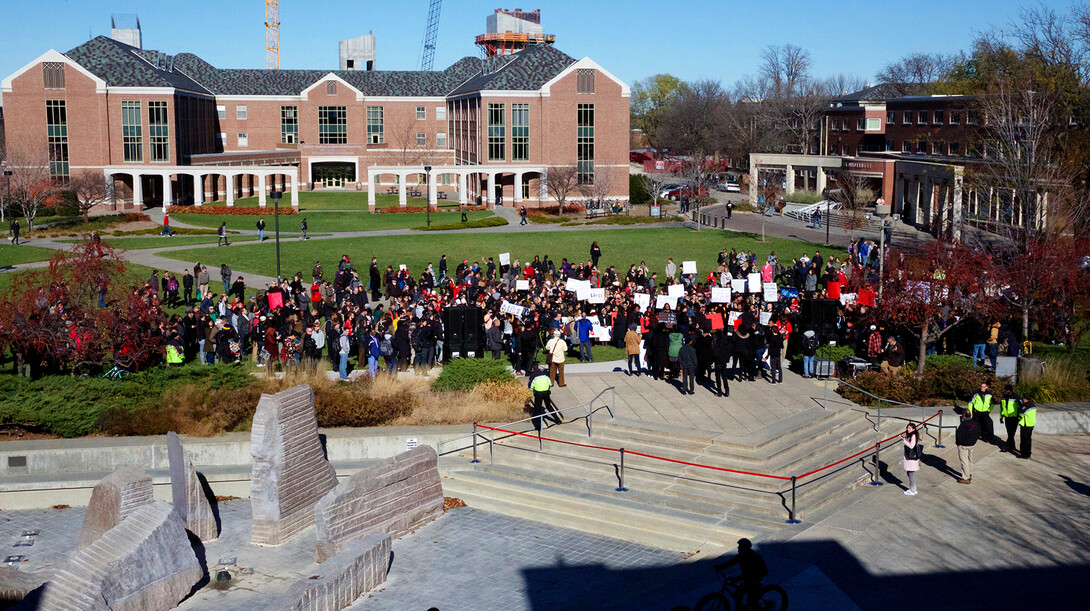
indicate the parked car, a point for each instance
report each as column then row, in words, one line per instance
column 730, row 186
column 684, row 191
column 665, row 189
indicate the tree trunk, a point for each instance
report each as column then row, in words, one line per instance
column 1025, row 320
column 922, row 356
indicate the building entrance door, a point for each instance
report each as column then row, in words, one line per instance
column 334, row 175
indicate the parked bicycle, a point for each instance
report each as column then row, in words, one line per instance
column 115, row 373
column 764, row 597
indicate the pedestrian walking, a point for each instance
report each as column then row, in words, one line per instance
column 465, row 212
column 166, row 227
column 816, row 218
column 522, row 213
column 14, row 231
column 222, row 232
column 730, row 209
column 913, row 451
column 261, row 230
column 595, row 253
column 966, row 436
column 543, row 402
column 303, row 228
column 1027, row 419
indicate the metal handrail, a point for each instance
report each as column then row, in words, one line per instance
column 588, row 405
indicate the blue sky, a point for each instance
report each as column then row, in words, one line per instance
column 632, row 39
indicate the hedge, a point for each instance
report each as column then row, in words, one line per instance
column 464, row 374
column 492, row 221
column 230, row 210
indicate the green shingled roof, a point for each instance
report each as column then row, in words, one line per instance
column 123, row 66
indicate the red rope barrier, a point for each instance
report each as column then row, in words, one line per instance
column 690, row 464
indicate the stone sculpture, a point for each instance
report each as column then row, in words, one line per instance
column 190, row 500
column 290, row 471
column 360, row 567
column 113, row 499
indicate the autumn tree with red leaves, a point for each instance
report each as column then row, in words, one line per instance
column 930, row 293
column 52, row 319
column 1047, row 286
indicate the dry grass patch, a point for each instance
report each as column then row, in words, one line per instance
column 487, row 402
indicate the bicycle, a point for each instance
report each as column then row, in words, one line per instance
column 768, row 597
column 115, row 373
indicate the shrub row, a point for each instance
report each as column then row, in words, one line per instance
column 464, row 374
column 231, row 210
column 408, row 209
column 940, row 385
column 492, row 221
column 553, row 210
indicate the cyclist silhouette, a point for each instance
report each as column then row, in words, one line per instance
column 753, row 567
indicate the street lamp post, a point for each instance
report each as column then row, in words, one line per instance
column 427, row 177
column 276, row 195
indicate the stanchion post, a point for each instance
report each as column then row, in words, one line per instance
column 939, row 443
column 590, row 421
column 621, row 488
column 791, row 519
column 474, row 444
column 874, row 478
column 491, row 443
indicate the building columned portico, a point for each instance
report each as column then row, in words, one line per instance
column 490, row 174
column 244, row 181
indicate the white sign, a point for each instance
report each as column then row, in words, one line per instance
column 733, row 316
column 846, row 298
column 522, row 285
column 755, row 283
column 643, row 301
column 662, row 300
column 411, row 443
column 688, row 267
column 509, row 308
column 738, row 285
column 772, row 292
column 505, row 258
column 720, row 295
column 766, row 317
column 676, row 291
column 402, row 267
column 601, row 333
column 596, row 296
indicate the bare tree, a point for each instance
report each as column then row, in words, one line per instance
column 843, row 84
column 405, row 148
column 91, row 189
column 785, row 67
column 697, row 127
column 769, row 185
column 562, row 182
column 854, row 193
column 603, row 183
column 913, row 73
column 653, row 183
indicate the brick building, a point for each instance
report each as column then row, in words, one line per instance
column 176, row 130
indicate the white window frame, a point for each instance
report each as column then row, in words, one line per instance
column 874, row 124
column 240, row 112
column 421, row 139
column 222, row 137
column 421, row 113
column 441, row 140
column 440, row 113
column 221, row 111
column 243, row 139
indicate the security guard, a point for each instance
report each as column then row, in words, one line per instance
column 540, row 384
column 1008, row 414
column 1027, row 419
column 981, row 408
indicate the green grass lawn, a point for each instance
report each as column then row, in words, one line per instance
column 310, row 201
column 11, row 254
column 326, row 222
column 620, row 247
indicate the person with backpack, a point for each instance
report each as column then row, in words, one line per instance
column 810, row 347
column 913, row 452
column 386, row 348
column 374, row 352
column 303, row 228
column 225, row 275
column 966, row 436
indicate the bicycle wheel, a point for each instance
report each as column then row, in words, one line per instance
column 713, row 601
column 769, row 598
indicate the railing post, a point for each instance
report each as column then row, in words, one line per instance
column 540, row 440
column 491, row 443
column 590, row 421
column 474, row 444
column 938, row 444
column 878, row 427
column 791, row 519
column 621, row 488
column 874, row 478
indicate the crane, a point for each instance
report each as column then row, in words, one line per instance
column 431, row 31
column 272, row 34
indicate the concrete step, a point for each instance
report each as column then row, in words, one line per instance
column 634, row 516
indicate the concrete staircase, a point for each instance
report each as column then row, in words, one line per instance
column 667, row 505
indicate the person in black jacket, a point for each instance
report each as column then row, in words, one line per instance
column 722, row 347
column 686, row 358
column 967, row 435
column 403, row 344
column 187, row 288
column 376, row 279
column 775, row 351
column 528, row 343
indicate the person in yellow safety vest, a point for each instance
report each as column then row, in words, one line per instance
column 1027, row 419
column 540, row 384
column 1008, row 414
column 981, row 407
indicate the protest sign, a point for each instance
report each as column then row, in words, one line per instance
column 755, row 283
column 662, row 300
column 688, row 267
column 789, row 293
column 720, row 294
column 717, row 321
column 522, row 285
column 675, row 290
column 772, row 292
column 596, row 296
column 738, row 285
column 276, row 299
column 505, row 258
column 643, row 300
column 766, row 317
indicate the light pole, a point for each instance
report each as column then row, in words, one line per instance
column 276, row 195
column 7, row 200
column 427, row 177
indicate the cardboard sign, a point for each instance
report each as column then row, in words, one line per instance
column 772, row 292
column 276, row 300
column 766, row 317
column 846, row 298
column 833, row 290
column 738, row 285
column 596, row 296
column 717, row 321
column 688, row 267
column 866, row 296
column 509, row 308
column 599, row 332
column 662, row 300
column 755, row 283
column 667, row 318
column 734, row 319
column 720, row 295
column 643, row 301
column 676, row 291
column 522, row 285
column 505, row 258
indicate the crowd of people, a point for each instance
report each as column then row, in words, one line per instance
column 671, row 322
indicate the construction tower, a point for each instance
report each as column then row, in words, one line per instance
column 272, row 34
column 508, row 32
column 431, row 33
